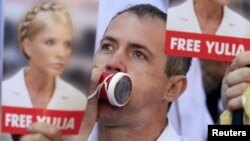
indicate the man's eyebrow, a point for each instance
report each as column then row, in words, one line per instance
column 143, row 47
column 109, row 38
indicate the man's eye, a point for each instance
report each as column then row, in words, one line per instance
column 49, row 42
column 139, row 54
column 106, row 47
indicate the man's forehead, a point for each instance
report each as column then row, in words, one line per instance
column 127, row 28
column 122, row 18
column 128, row 19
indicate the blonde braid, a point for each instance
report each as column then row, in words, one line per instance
column 23, row 30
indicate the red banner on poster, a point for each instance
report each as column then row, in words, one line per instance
column 220, row 48
column 16, row 120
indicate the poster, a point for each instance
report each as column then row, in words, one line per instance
column 211, row 50
column 47, row 62
column 218, row 34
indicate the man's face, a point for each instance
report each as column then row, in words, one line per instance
column 134, row 46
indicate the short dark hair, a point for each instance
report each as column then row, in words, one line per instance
column 175, row 65
column 144, row 10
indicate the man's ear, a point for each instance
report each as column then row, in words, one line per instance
column 26, row 47
column 175, row 87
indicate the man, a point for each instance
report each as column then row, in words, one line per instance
column 133, row 43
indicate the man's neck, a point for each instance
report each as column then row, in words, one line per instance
column 147, row 132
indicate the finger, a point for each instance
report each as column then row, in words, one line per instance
column 241, row 60
column 236, row 90
column 228, row 71
column 49, row 131
column 234, row 104
column 34, row 137
column 224, row 88
column 95, row 77
column 238, row 76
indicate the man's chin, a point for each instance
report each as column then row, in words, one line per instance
column 109, row 115
column 106, row 110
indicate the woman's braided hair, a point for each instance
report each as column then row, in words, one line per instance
column 26, row 29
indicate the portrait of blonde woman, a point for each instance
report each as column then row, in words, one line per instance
column 45, row 38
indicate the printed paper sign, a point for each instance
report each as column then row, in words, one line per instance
column 16, row 120
column 193, row 35
column 47, row 63
column 204, row 46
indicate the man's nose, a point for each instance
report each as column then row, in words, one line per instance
column 117, row 63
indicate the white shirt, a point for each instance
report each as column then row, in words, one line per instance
column 168, row 134
column 65, row 97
